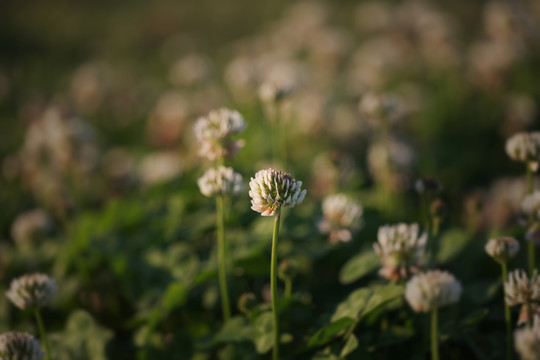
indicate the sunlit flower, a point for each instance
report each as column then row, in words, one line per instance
column 531, row 205
column 519, row 289
column 31, row 291
column 19, row 346
column 401, row 249
column 524, row 147
column 502, row 249
column 342, row 215
column 214, row 133
column 220, row 181
column 29, row 225
column 272, row 189
column 432, row 290
column 527, row 342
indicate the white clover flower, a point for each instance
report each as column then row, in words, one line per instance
column 431, row 290
column 19, row 346
column 341, row 216
column 502, row 249
column 525, row 147
column 31, row 291
column 214, row 133
column 519, row 289
column 531, row 205
column 401, row 249
column 272, row 189
column 220, row 181
column 527, row 341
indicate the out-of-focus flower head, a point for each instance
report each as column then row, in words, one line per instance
column 168, row 119
column 525, row 147
column 159, row 167
column 389, row 162
column 431, row 290
column 401, row 249
column 502, row 249
column 214, row 133
column 342, row 216
column 19, row 346
column 31, row 291
column 519, row 289
column 220, row 181
column 272, row 189
column 192, row 69
column 29, row 225
column 527, row 342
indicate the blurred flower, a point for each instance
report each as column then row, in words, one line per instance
column 31, row 291
column 19, row 346
column 389, row 163
column 431, row 290
column 91, row 84
column 247, row 302
column 520, row 112
column 167, row 119
column 214, row 133
column 527, row 341
column 220, row 181
column 519, row 289
column 531, row 205
column 159, row 167
column 376, row 106
column 272, row 189
column 401, row 250
column 342, row 216
column 192, row 69
column 427, row 185
column 29, row 225
column 502, row 249
column 524, row 147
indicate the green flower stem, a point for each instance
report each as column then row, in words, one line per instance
column 288, row 287
column 273, row 285
column 222, row 261
column 42, row 334
column 531, row 250
column 507, row 316
column 434, row 245
column 434, row 335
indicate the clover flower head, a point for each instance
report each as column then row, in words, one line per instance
column 431, row 290
column 531, row 205
column 220, row 181
column 19, row 346
column 524, row 147
column 519, row 289
column 214, row 133
column 502, row 249
column 271, row 189
column 527, row 342
column 401, row 249
column 31, row 291
column 342, row 215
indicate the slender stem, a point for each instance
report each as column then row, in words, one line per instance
column 434, row 234
column 222, row 261
column 531, row 250
column 288, row 287
column 42, row 334
column 507, row 316
column 273, row 285
column 434, row 335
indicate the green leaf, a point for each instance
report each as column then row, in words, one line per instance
column 358, row 267
column 237, row 329
column 175, row 296
column 329, row 332
column 363, row 301
column 350, row 346
column 264, row 332
column 451, row 243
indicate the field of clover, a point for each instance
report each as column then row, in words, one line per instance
column 317, row 180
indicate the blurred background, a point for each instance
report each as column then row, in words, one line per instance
column 99, row 162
